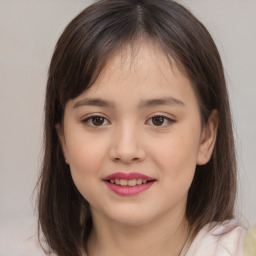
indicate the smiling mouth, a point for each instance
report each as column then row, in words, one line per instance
column 131, row 179
column 129, row 183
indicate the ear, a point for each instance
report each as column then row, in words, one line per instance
column 62, row 141
column 208, row 138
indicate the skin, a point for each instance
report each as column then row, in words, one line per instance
column 152, row 222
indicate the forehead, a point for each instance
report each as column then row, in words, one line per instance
column 140, row 72
column 139, row 59
column 137, row 64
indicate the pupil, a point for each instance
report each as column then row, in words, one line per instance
column 97, row 120
column 158, row 120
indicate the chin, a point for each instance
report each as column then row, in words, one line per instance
column 131, row 217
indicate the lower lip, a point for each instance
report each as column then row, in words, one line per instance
column 129, row 191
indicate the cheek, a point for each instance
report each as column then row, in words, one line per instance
column 86, row 155
column 177, row 155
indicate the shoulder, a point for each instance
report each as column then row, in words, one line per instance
column 219, row 239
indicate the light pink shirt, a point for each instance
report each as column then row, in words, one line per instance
column 224, row 239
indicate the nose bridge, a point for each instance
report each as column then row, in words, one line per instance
column 127, row 143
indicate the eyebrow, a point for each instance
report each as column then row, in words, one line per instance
column 143, row 104
column 161, row 101
column 94, row 102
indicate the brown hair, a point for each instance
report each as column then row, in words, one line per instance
column 81, row 53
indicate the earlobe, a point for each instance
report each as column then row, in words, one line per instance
column 208, row 139
column 62, row 141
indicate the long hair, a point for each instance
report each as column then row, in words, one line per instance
column 82, row 51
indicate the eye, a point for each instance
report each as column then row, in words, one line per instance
column 96, row 121
column 160, row 120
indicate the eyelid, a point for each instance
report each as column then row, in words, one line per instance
column 170, row 120
column 88, row 117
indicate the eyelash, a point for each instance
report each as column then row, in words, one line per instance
column 88, row 120
column 167, row 120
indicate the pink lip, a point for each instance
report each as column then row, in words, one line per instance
column 127, row 190
column 128, row 176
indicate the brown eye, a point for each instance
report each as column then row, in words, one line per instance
column 95, row 121
column 98, row 120
column 158, row 120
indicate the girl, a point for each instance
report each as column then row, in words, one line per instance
column 139, row 151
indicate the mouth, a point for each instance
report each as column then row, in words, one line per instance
column 128, row 183
column 130, row 179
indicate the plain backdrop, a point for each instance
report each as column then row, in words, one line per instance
column 29, row 30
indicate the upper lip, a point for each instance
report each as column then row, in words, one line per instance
column 128, row 176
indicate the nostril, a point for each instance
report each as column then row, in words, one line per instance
column 126, row 149
column 126, row 159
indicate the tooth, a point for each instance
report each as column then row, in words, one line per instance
column 139, row 181
column 144, row 181
column 117, row 181
column 112, row 181
column 132, row 183
column 123, row 182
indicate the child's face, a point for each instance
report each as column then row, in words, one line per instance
column 148, row 122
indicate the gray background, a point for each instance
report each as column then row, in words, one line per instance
column 28, row 32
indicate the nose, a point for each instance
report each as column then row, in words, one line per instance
column 127, row 145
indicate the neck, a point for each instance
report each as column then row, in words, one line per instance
column 161, row 237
